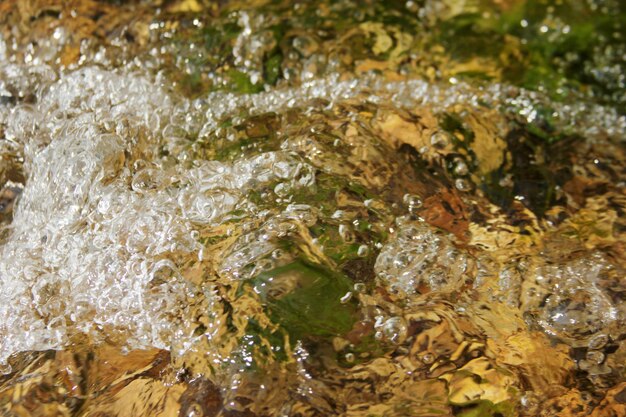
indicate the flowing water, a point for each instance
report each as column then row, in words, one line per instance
column 335, row 208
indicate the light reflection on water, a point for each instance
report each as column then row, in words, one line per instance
column 344, row 244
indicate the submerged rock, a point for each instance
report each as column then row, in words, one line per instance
column 324, row 208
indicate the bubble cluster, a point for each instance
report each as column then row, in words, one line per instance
column 570, row 302
column 420, row 259
column 105, row 216
column 85, row 247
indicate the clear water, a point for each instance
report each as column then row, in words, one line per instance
column 340, row 243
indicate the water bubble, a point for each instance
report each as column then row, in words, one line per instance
column 164, row 271
column 208, row 207
column 585, row 365
column 148, row 179
column 595, row 356
column 346, row 298
column 194, row 410
column 530, row 402
column 428, row 358
column 278, row 254
column 363, row 251
column 283, row 189
column 412, row 202
column 301, row 212
column 346, row 233
column 598, row 341
column 23, row 123
column 439, row 140
column 460, row 167
column 412, row 6
column 305, row 45
column 394, row 330
column 462, row 184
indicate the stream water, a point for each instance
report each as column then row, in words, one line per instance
column 277, row 208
